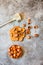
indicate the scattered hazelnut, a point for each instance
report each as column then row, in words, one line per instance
column 36, row 26
column 28, row 37
column 28, row 31
column 29, row 21
column 29, row 27
column 24, row 25
column 36, row 35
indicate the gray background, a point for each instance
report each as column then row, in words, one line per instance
column 33, row 48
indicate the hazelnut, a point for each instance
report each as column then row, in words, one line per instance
column 18, row 54
column 36, row 26
column 16, row 35
column 12, row 46
column 36, row 35
column 18, row 47
column 11, row 35
column 9, row 53
column 9, row 50
column 16, row 39
column 28, row 37
column 24, row 25
column 23, row 30
column 29, row 21
column 14, row 55
column 11, row 56
column 29, row 27
column 18, row 50
column 15, row 31
column 27, row 31
column 21, row 39
column 15, row 51
column 19, row 29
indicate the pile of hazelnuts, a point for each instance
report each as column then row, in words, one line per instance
column 15, row 51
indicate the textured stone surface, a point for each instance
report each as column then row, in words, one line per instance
column 33, row 48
